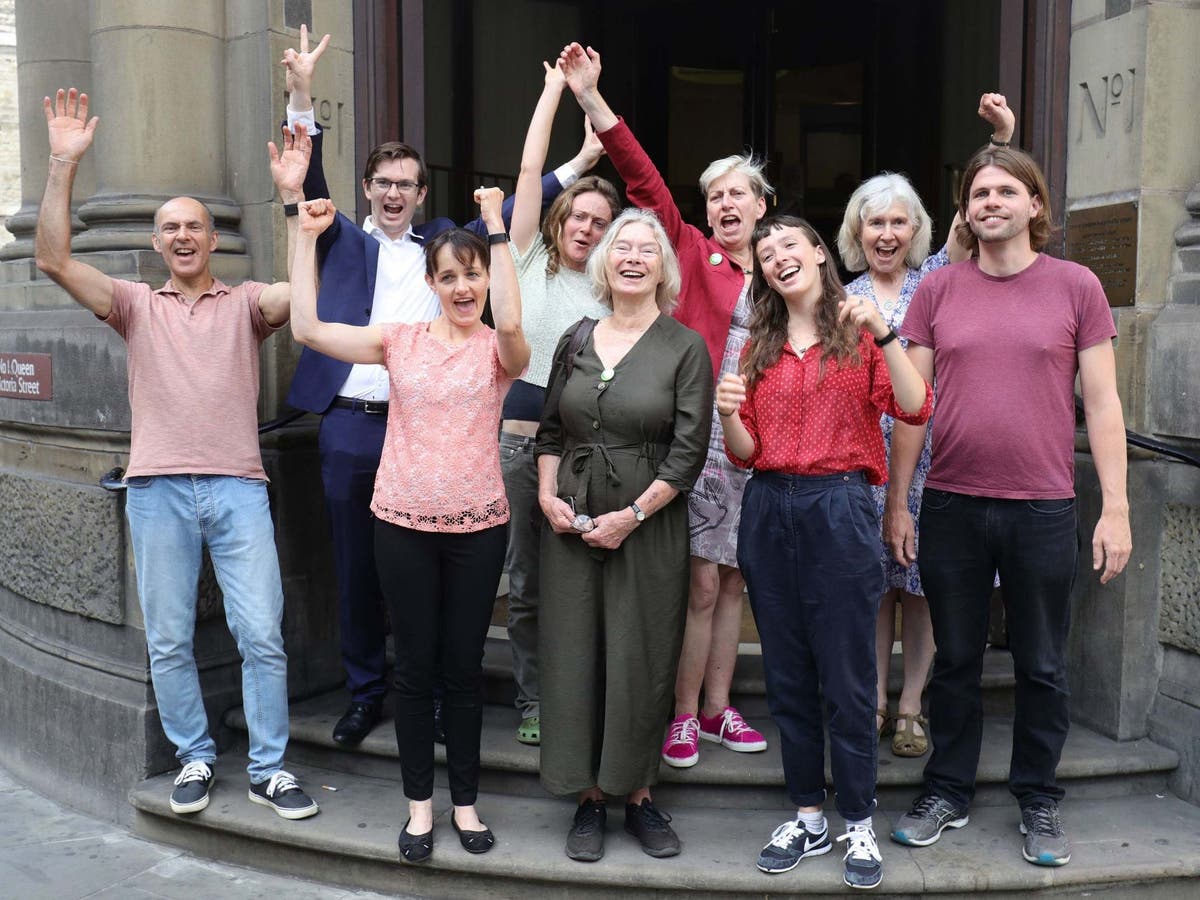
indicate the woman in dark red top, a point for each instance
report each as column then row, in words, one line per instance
column 803, row 413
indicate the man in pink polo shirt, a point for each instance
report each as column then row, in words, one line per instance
column 195, row 475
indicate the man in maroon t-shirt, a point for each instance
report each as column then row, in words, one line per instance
column 1005, row 335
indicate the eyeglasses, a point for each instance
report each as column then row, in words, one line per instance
column 383, row 185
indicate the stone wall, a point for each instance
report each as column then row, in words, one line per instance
column 72, row 645
column 1135, row 668
column 10, row 156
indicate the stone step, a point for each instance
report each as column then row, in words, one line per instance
column 748, row 685
column 1143, row 845
column 1095, row 766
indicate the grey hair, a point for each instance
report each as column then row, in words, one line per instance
column 875, row 196
column 746, row 164
column 667, row 291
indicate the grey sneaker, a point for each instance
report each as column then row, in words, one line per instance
column 192, row 787
column 864, row 865
column 585, row 840
column 283, row 794
column 790, row 843
column 929, row 817
column 649, row 825
column 1045, row 842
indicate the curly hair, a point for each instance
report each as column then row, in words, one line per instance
column 552, row 225
column 769, row 315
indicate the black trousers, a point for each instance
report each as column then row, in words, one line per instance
column 1034, row 544
column 440, row 589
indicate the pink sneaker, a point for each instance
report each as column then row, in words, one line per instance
column 682, row 746
column 730, row 730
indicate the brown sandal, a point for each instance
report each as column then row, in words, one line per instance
column 886, row 726
column 907, row 743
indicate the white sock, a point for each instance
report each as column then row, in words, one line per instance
column 866, row 822
column 813, row 822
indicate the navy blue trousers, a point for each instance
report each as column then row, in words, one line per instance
column 350, row 443
column 809, row 549
column 1034, row 544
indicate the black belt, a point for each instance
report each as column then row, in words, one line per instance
column 370, row 407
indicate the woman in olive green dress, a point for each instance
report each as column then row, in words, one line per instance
column 622, row 440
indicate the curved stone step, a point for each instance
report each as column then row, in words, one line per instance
column 1137, row 846
column 1092, row 765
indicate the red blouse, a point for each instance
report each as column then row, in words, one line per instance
column 805, row 422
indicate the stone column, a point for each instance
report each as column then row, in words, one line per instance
column 53, row 51
column 159, row 76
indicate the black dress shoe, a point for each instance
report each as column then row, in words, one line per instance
column 415, row 848
column 439, row 725
column 356, row 724
column 474, row 841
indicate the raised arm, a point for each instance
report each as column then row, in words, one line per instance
column 71, row 134
column 505, row 294
column 288, row 168
column 993, row 109
column 527, row 202
column 300, row 66
column 581, row 67
column 349, row 343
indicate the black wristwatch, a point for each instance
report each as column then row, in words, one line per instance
column 291, row 209
column 886, row 339
column 500, row 237
column 637, row 512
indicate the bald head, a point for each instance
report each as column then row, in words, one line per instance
column 184, row 209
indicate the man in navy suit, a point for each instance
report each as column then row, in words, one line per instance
column 375, row 273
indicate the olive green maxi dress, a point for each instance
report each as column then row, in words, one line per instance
column 612, row 621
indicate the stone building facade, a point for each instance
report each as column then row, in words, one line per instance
column 188, row 96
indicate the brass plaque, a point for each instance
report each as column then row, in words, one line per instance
column 1104, row 238
column 26, row 376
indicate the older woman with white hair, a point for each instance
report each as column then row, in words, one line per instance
column 716, row 303
column 622, row 439
column 887, row 231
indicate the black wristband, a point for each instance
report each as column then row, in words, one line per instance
column 996, row 143
column 291, row 209
column 498, row 238
column 886, row 339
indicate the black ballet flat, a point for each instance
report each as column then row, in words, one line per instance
column 415, row 848
column 474, row 841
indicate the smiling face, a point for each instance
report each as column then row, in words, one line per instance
column 585, row 224
column 461, row 287
column 634, row 264
column 184, row 236
column 887, row 238
column 1000, row 207
column 392, row 207
column 733, row 209
column 790, row 263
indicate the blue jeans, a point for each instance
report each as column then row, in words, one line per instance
column 809, row 549
column 1034, row 544
column 521, row 562
column 171, row 519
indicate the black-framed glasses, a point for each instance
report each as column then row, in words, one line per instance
column 383, row 185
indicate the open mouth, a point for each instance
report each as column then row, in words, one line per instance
column 393, row 209
column 465, row 305
column 885, row 252
column 730, row 221
column 788, row 274
column 634, row 274
column 183, row 252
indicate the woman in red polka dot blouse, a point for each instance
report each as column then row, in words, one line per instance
column 803, row 413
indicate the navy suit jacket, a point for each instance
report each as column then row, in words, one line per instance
column 348, row 258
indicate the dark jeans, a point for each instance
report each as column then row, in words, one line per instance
column 440, row 590
column 1034, row 545
column 350, row 442
column 519, row 468
column 809, row 550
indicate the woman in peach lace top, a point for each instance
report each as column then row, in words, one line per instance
column 439, row 498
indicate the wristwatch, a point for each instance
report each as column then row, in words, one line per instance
column 637, row 512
